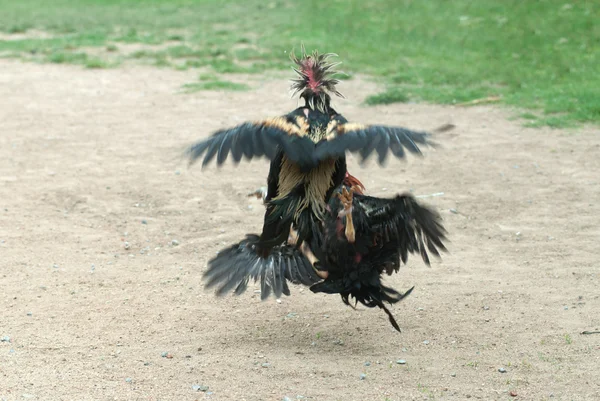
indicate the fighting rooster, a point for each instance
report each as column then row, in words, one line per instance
column 361, row 238
column 307, row 149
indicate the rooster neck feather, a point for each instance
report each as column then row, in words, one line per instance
column 316, row 184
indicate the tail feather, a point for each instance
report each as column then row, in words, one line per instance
column 390, row 316
column 367, row 290
column 234, row 267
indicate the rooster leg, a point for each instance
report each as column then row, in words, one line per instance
column 305, row 249
column 308, row 254
column 260, row 193
column 346, row 198
column 350, row 233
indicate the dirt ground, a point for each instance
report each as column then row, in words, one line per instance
column 89, row 166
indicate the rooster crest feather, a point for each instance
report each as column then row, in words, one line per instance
column 315, row 81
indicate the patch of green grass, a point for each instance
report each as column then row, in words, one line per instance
column 529, row 116
column 558, row 121
column 214, row 85
column 143, row 54
column 183, row 51
column 75, row 57
column 395, row 95
column 343, row 76
column 207, row 77
column 18, row 28
column 541, row 55
column 61, row 57
column 161, row 61
column 187, row 64
column 176, row 38
column 34, row 45
column 247, row 54
column 224, row 66
column 96, row 63
column 132, row 35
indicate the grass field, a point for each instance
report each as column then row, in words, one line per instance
column 542, row 56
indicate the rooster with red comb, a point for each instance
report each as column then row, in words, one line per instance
column 307, row 149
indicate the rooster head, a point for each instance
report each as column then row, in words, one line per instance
column 315, row 82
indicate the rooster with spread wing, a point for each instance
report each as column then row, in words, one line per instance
column 307, row 149
column 360, row 238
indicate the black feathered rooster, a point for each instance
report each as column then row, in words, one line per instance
column 360, row 238
column 307, row 149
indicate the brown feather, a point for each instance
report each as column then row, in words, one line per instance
column 284, row 125
column 316, row 184
column 343, row 128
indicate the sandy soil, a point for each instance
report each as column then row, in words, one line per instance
column 89, row 162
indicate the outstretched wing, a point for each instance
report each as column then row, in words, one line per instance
column 364, row 139
column 233, row 268
column 401, row 222
column 258, row 139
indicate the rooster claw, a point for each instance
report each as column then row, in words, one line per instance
column 346, row 198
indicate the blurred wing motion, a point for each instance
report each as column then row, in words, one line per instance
column 307, row 137
column 233, row 268
column 364, row 139
column 257, row 139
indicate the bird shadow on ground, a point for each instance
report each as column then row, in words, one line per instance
column 309, row 335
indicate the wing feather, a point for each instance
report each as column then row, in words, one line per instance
column 234, row 267
column 224, row 148
column 401, row 222
column 382, row 148
column 211, row 152
column 396, row 147
column 237, row 150
column 365, row 139
column 257, row 139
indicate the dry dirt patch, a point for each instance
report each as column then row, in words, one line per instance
column 88, row 162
